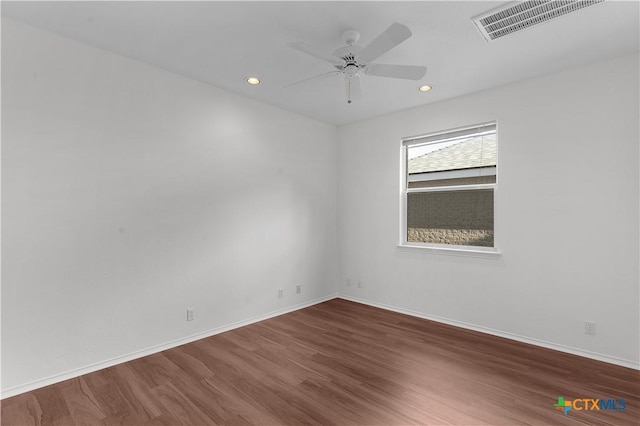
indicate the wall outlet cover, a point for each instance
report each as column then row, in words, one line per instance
column 590, row 327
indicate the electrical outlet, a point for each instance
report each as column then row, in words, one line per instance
column 359, row 284
column 191, row 314
column 590, row 328
column 348, row 282
column 298, row 289
column 280, row 293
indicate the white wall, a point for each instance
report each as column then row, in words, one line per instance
column 130, row 194
column 567, row 214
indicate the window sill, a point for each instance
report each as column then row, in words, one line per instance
column 452, row 251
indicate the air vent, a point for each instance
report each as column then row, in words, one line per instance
column 515, row 17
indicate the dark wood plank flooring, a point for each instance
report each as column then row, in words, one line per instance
column 340, row 363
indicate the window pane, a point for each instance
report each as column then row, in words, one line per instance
column 459, row 161
column 451, row 217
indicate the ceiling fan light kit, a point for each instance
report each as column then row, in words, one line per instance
column 352, row 60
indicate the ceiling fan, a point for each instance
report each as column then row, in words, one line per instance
column 353, row 60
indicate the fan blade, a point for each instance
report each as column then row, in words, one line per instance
column 393, row 36
column 315, row 77
column 301, row 47
column 407, row 72
column 352, row 87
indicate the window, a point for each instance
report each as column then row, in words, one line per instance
column 449, row 182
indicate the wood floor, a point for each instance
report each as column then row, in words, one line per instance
column 341, row 363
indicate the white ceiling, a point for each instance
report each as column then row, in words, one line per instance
column 221, row 43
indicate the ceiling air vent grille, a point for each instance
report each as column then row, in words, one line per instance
column 504, row 21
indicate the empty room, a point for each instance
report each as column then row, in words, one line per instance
column 299, row 212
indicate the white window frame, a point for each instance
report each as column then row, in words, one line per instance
column 479, row 251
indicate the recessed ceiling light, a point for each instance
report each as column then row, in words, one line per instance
column 253, row 80
column 425, row 88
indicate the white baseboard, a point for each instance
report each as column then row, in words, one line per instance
column 16, row 390
column 561, row 348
